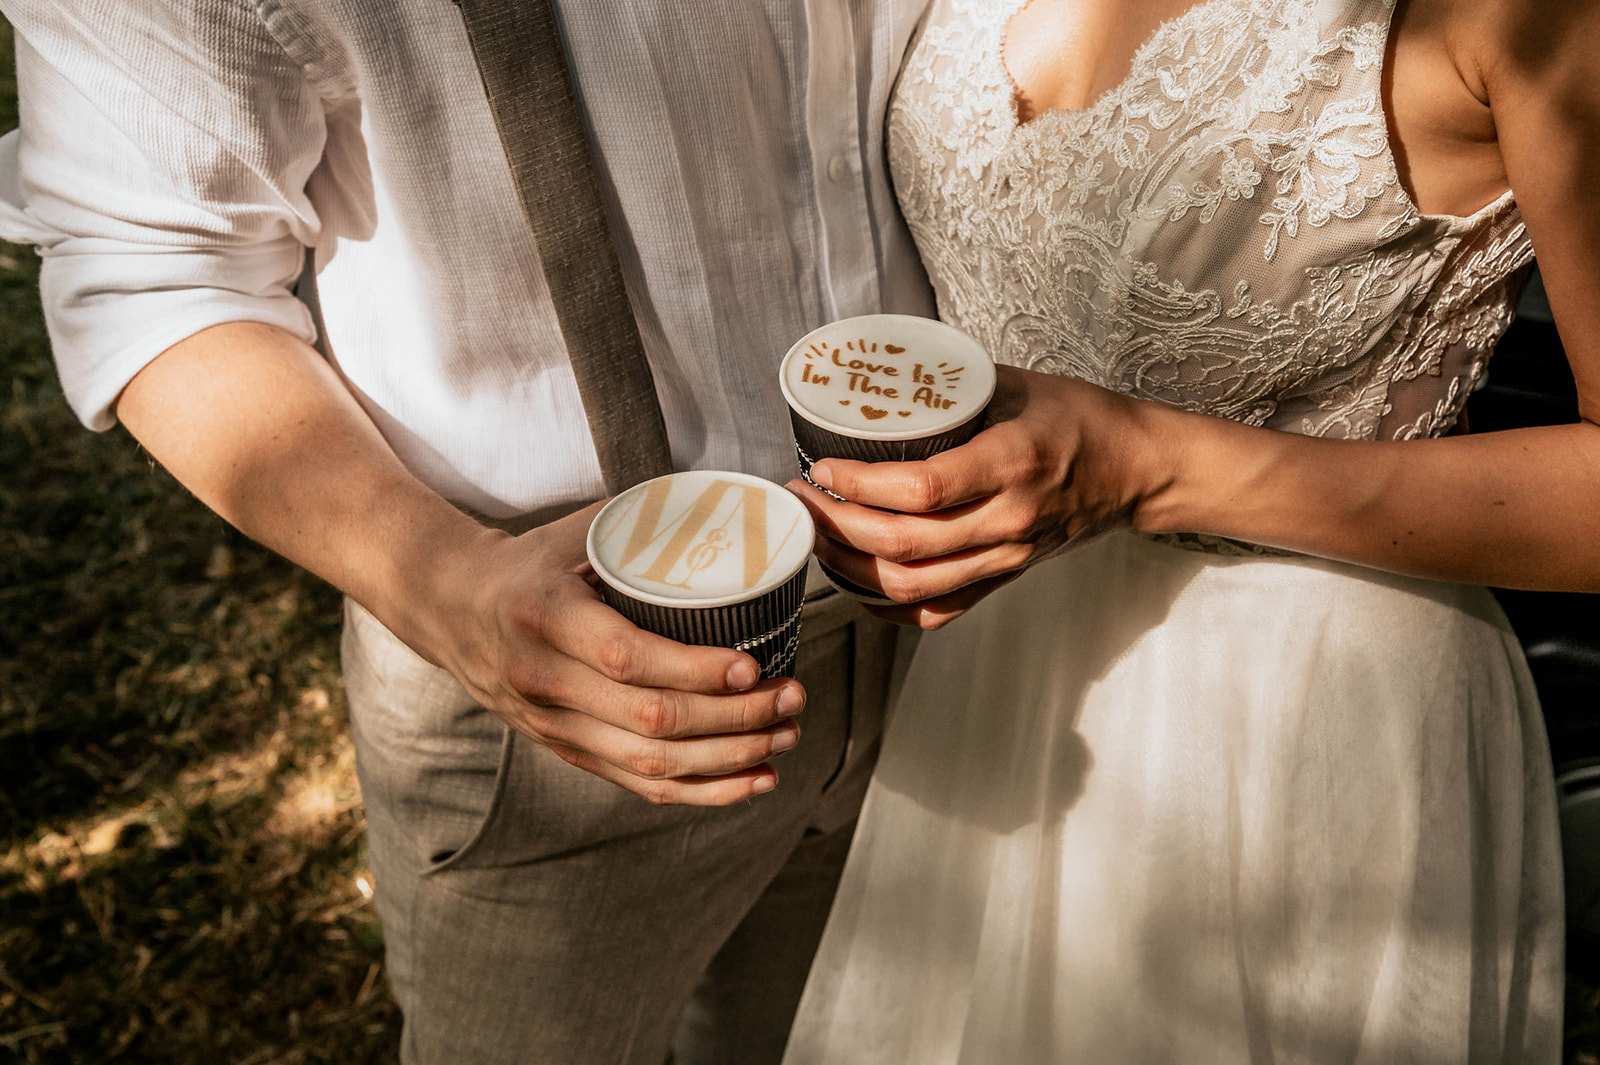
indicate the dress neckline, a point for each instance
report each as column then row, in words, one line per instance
column 1080, row 122
column 1107, row 96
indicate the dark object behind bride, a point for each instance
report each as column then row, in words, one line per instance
column 1529, row 384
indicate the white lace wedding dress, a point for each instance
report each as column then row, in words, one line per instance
column 1178, row 801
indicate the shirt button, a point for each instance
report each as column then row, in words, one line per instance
column 836, row 169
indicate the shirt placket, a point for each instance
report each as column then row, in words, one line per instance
column 849, row 262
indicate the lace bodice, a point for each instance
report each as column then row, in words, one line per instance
column 1224, row 231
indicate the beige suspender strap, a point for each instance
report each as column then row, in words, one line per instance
column 518, row 51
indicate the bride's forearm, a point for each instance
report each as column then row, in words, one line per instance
column 1517, row 509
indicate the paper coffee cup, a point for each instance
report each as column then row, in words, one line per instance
column 710, row 558
column 883, row 388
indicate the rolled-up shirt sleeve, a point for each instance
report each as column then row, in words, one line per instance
column 161, row 168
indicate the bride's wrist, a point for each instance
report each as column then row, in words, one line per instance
column 1182, row 460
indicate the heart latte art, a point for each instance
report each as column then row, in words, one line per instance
column 887, row 376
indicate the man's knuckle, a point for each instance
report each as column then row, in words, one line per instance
column 755, row 711
column 618, row 657
column 895, row 542
column 652, row 763
column 528, row 679
column 650, row 715
column 657, row 792
column 1016, row 523
column 528, row 613
column 573, row 756
column 902, row 587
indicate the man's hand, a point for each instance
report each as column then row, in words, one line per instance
column 530, row 640
column 257, row 424
column 1060, row 462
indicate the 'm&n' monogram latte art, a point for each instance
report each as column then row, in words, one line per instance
column 700, row 538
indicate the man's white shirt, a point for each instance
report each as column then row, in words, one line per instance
column 176, row 157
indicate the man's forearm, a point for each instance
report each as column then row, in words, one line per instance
column 257, row 425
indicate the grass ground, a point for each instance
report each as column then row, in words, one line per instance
column 181, row 873
column 181, row 876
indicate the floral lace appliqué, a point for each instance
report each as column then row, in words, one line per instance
column 1224, row 231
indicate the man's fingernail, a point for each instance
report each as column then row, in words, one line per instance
column 821, row 476
column 763, row 785
column 785, row 740
column 791, row 700
column 743, row 674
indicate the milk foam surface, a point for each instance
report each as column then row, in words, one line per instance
column 887, row 377
column 700, row 539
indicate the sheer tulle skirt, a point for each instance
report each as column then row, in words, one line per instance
column 1153, row 805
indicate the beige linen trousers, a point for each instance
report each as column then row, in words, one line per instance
column 534, row 913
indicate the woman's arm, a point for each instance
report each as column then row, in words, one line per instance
column 1069, row 460
column 1520, row 508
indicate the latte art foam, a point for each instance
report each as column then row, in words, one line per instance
column 700, row 539
column 887, row 377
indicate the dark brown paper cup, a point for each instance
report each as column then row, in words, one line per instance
column 812, row 443
column 879, row 369
column 768, row 628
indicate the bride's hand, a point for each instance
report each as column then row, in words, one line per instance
column 1060, row 462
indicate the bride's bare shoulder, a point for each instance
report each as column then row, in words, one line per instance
column 1526, row 41
column 1538, row 65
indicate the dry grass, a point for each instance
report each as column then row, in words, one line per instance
column 180, row 874
column 181, row 865
column 180, row 879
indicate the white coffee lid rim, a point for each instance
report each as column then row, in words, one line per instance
column 807, row 525
column 859, row 433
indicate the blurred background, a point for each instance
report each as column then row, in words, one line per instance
column 183, row 878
